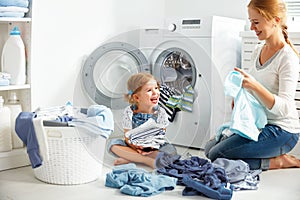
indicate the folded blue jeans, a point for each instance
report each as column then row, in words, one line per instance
column 272, row 141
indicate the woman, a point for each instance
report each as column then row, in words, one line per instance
column 272, row 79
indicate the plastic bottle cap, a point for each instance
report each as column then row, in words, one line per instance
column 15, row 31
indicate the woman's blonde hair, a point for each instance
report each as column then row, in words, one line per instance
column 270, row 9
column 135, row 83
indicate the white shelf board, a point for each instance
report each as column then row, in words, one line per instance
column 14, row 87
column 15, row 19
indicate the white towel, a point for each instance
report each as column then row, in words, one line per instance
column 13, row 9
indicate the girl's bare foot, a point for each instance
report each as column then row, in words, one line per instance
column 284, row 161
column 121, row 161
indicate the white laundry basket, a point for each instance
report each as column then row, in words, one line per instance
column 70, row 158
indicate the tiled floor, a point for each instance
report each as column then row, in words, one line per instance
column 20, row 184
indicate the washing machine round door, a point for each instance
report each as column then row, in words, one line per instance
column 178, row 67
column 107, row 69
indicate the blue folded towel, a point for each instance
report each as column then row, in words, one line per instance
column 18, row 3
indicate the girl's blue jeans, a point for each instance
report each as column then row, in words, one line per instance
column 272, row 141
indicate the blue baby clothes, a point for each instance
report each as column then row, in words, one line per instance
column 200, row 177
column 13, row 8
column 239, row 174
column 194, row 187
column 248, row 115
column 25, row 131
column 137, row 181
column 99, row 120
column 18, row 3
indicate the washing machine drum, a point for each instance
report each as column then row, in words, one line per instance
column 107, row 69
column 175, row 68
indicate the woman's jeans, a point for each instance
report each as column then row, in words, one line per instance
column 272, row 141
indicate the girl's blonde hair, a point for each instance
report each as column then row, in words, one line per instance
column 135, row 83
column 270, row 9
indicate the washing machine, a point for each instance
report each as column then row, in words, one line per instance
column 200, row 52
column 201, row 45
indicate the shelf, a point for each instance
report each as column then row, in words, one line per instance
column 14, row 19
column 14, row 87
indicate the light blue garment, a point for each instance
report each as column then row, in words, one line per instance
column 137, row 181
column 99, row 120
column 248, row 115
column 18, row 3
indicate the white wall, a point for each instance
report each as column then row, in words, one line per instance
column 198, row 8
column 63, row 34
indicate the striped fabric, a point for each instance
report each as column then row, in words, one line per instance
column 184, row 101
column 165, row 93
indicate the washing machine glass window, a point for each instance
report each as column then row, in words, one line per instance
column 111, row 70
column 107, row 69
column 176, row 68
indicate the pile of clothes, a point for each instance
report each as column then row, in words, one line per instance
column 14, row 8
column 199, row 176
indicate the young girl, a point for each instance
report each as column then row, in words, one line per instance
column 143, row 95
column 272, row 79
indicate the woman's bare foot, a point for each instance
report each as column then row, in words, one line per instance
column 121, row 161
column 284, row 161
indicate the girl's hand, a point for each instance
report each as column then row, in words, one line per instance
column 145, row 151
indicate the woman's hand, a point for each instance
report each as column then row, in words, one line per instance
column 248, row 82
column 265, row 96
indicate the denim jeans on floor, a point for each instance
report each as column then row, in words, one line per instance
column 273, row 141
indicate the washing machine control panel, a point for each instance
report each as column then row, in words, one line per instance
column 193, row 27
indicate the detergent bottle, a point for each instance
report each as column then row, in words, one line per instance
column 14, row 59
column 5, row 127
column 13, row 103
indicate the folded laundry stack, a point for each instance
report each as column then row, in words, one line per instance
column 150, row 134
column 13, row 8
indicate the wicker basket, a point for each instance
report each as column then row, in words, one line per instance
column 70, row 159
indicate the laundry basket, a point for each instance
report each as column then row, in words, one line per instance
column 70, row 159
